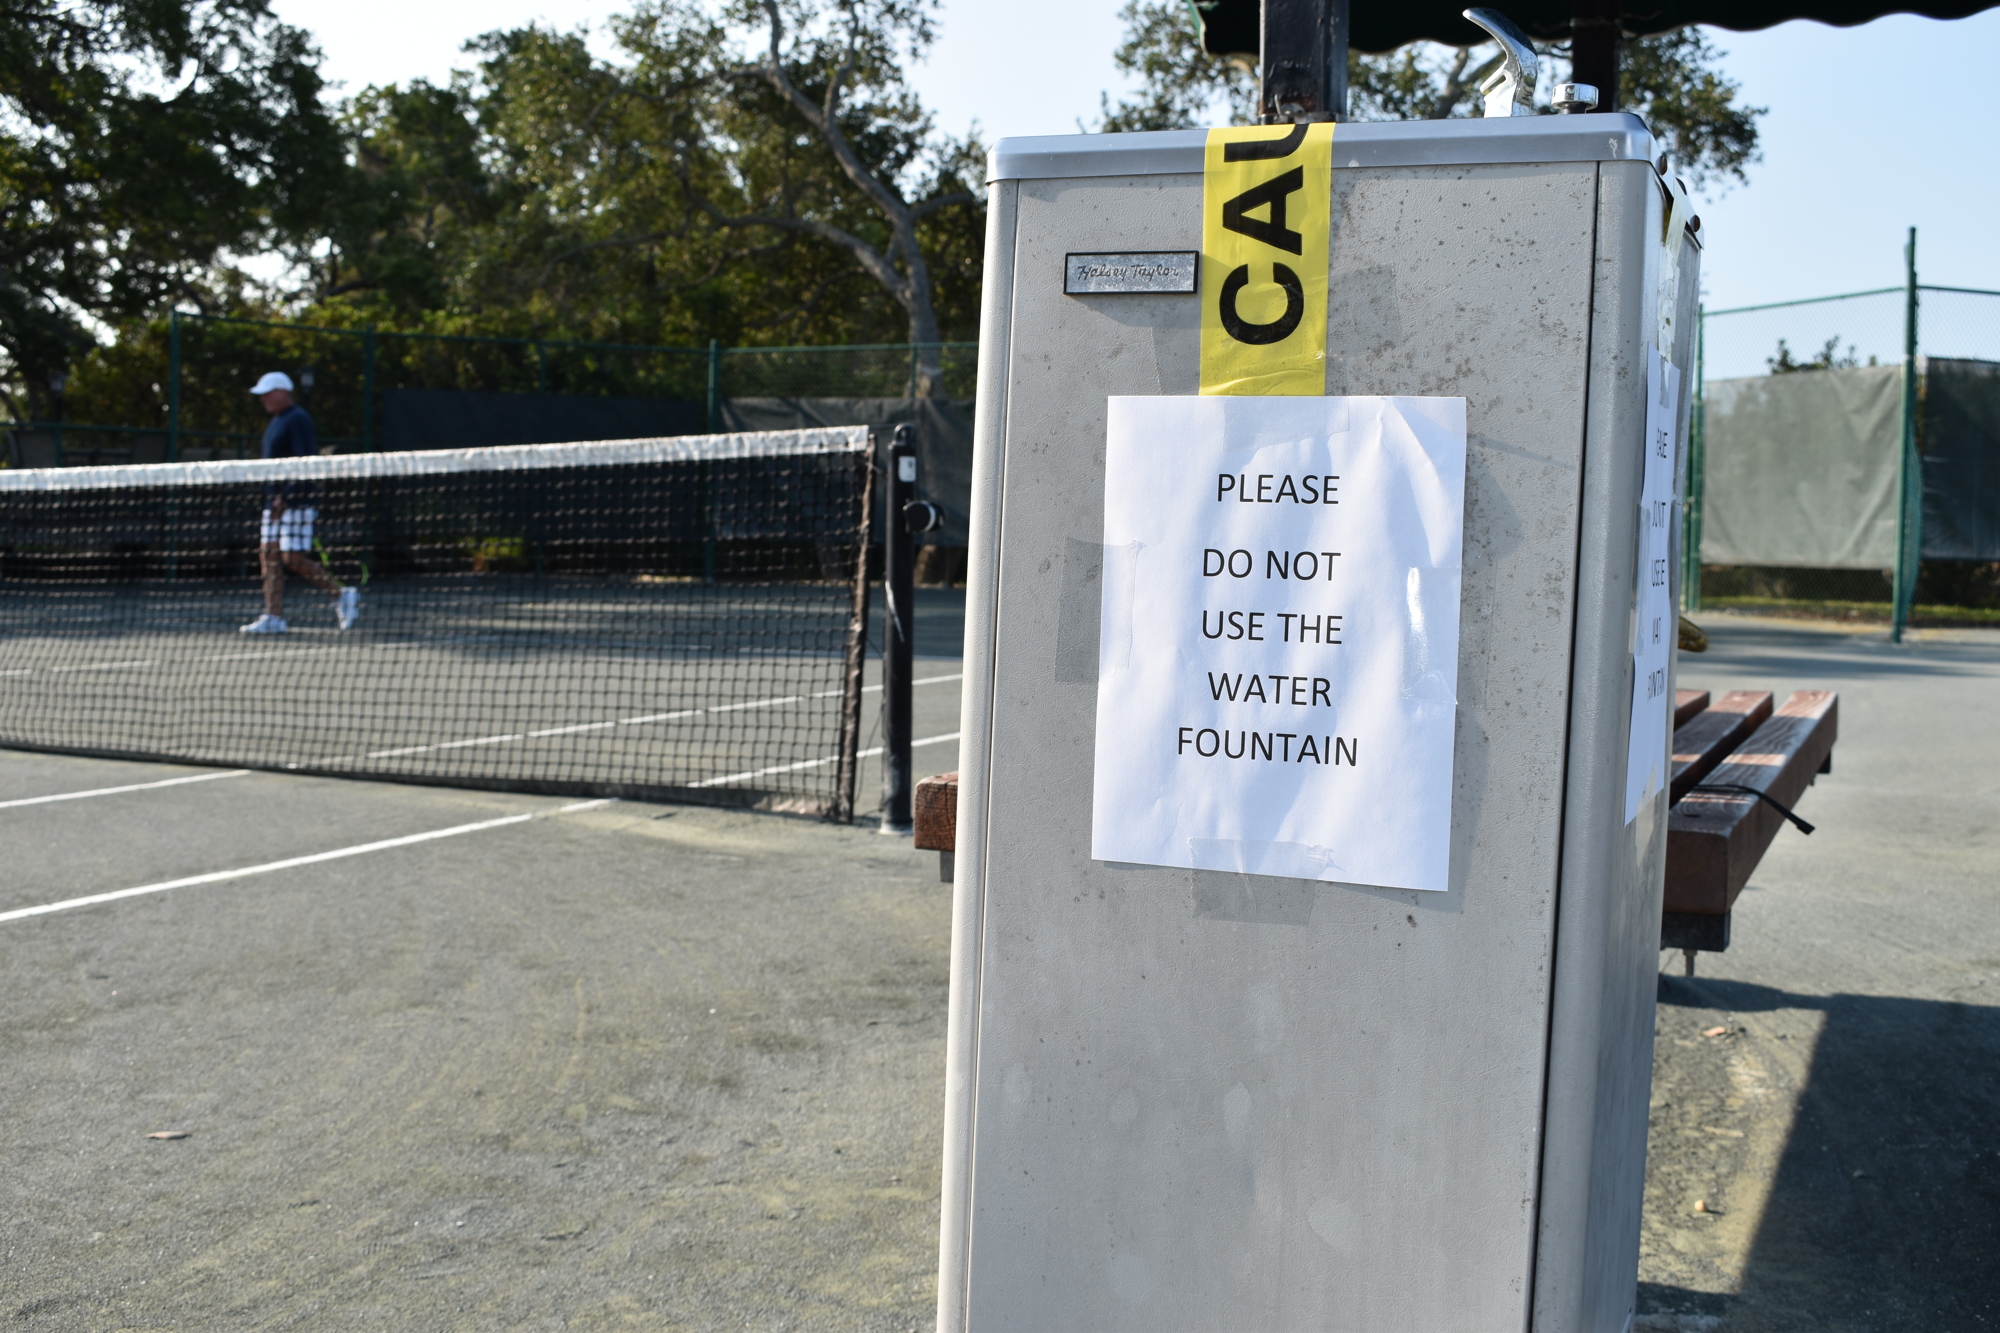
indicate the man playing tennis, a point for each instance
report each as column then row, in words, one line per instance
column 286, row 536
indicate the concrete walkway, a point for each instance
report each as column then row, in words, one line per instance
column 657, row 1068
column 1839, row 1136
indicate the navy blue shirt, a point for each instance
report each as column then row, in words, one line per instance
column 291, row 435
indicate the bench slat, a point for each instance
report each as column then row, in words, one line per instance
column 1715, row 839
column 1709, row 737
column 1686, row 704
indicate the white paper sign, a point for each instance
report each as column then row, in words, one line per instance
column 1655, row 626
column 1277, row 677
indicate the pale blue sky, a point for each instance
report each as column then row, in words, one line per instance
column 1871, row 129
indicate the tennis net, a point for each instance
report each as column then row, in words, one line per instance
column 678, row 619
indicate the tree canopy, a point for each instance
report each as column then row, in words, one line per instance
column 760, row 176
column 143, row 142
column 758, row 172
column 1670, row 80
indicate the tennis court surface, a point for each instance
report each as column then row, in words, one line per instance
column 508, row 681
column 373, row 983
column 458, row 1058
column 466, row 1059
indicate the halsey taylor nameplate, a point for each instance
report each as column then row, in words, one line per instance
column 1171, row 271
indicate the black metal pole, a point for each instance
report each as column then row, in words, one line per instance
column 907, row 516
column 899, row 558
column 1594, row 33
column 1303, row 61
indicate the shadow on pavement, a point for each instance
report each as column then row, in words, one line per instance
column 1885, row 1210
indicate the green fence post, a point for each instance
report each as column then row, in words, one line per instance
column 368, row 390
column 1909, row 476
column 1691, row 518
column 173, row 386
column 714, row 386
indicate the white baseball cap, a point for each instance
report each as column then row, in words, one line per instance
column 276, row 379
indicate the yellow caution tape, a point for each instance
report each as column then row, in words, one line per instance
column 1267, row 196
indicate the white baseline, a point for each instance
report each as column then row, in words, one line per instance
column 119, row 791
column 244, row 872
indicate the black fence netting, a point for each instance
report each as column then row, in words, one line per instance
column 372, row 390
column 1959, row 441
column 1846, row 461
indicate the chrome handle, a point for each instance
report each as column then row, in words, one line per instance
column 1513, row 84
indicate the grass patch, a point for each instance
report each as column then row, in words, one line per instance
column 1941, row 616
column 1799, row 608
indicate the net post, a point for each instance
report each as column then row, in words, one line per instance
column 174, row 386
column 898, row 591
column 1909, row 484
column 857, row 650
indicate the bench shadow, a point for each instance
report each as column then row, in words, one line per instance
column 1885, row 1214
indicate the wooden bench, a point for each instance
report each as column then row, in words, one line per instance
column 1739, row 766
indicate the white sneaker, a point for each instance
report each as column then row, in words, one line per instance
column 348, row 610
column 265, row 624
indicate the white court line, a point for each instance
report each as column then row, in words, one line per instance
column 252, row 655
column 762, row 703
column 621, row 722
column 442, row 745
column 877, row 689
column 339, row 853
column 266, row 654
column 815, row 763
column 115, row 791
column 386, row 844
column 512, row 736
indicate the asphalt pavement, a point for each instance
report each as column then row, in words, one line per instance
column 449, row 1059
column 443, row 1059
column 1828, row 1159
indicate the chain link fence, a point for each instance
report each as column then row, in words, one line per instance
column 1845, row 461
column 372, row 389
column 180, row 393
